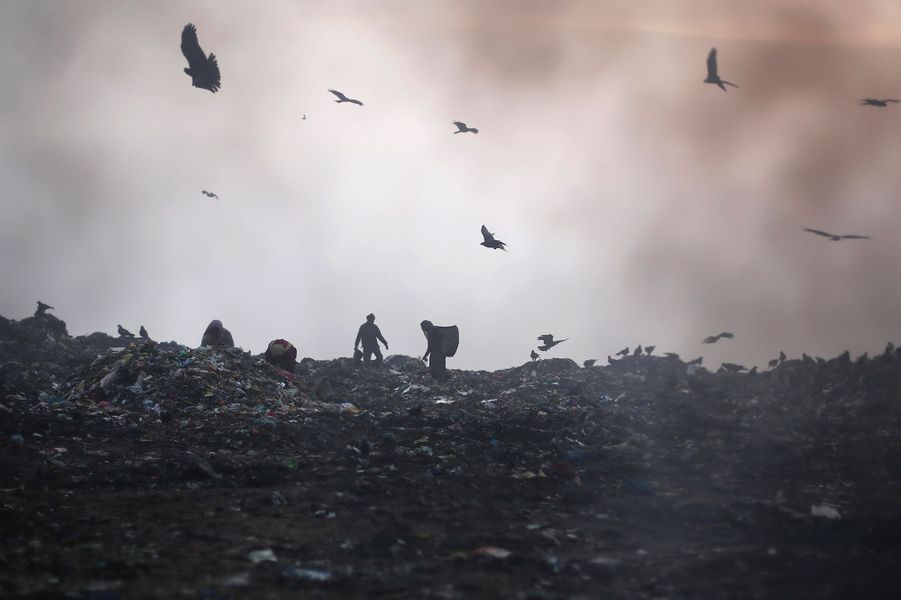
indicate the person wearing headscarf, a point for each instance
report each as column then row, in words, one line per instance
column 217, row 335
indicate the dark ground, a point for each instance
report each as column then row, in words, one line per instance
column 160, row 471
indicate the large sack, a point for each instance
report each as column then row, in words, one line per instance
column 450, row 337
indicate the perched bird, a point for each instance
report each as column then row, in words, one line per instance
column 611, row 361
column 673, row 355
column 753, row 371
column 837, row 238
column 534, row 355
column 649, row 350
column 712, row 339
column 623, row 352
column 637, row 351
column 282, row 354
column 304, row 117
column 732, row 367
column 549, row 342
column 782, row 356
column 696, row 362
column 209, row 194
column 462, row 128
column 342, row 98
column 217, row 335
column 203, row 69
column 877, row 102
column 124, row 332
column 490, row 242
column 807, row 359
column 773, row 363
column 589, row 363
column 143, row 333
column 713, row 74
column 42, row 308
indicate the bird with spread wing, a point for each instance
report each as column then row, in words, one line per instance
column 712, row 339
column 203, row 69
column 490, row 242
column 342, row 98
column 209, row 194
column 463, row 128
column 549, row 341
column 837, row 238
column 713, row 75
column 877, row 102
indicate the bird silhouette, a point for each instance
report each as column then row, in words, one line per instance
column 549, row 341
column 713, row 74
column 611, row 361
column 835, row 237
column 732, row 367
column 637, row 351
column 782, row 356
column 773, row 363
column 303, row 118
column 463, row 128
column 342, row 98
column 124, row 332
column 877, row 102
column 589, row 363
column 490, row 242
column 143, row 333
column 534, row 355
column 673, row 355
column 623, row 352
column 203, row 69
column 712, row 339
column 42, row 308
column 649, row 350
column 209, row 194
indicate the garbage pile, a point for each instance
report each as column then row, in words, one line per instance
column 649, row 477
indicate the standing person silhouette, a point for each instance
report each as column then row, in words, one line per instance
column 442, row 342
column 370, row 335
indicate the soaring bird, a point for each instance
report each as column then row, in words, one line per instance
column 877, row 102
column 623, row 352
column 712, row 339
column 534, row 355
column 549, row 341
column 712, row 74
column 837, row 238
column 124, row 332
column 203, row 69
column 143, row 333
column 342, row 98
column 209, row 194
column 42, row 308
column 589, row 363
column 490, row 242
column 463, row 128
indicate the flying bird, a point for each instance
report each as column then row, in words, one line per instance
column 143, row 333
column 712, row 74
column 342, row 98
column 837, row 238
column 490, row 242
column 124, row 332
column 203, row 69
column 463, row 128
column 209, row 194
column 877, row 102
column 549, row 341
column 42, row 308
column 712, row 339
column 534, row 355
column 589, row 363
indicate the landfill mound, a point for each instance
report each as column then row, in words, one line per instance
column 136, row 469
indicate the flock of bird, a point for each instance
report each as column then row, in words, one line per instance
column 204, row 72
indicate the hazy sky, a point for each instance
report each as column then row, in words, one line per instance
column 639, row 204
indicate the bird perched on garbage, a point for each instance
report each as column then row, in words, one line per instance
column 42, row 308
column 782, row 356
column 637, row 351
column 773, row 363
column 143, row 333
column 490, row 242
column 696, row 362
column 209, row 194
column 462, row 128
column 589, row 363
column 623, row 352
column 217, row 335
column 712, row 339
column 203, row 69
column 282, row 354
column 611, row 360
column 732, row 367
column 124, row 332
column 713, row 75
column 649, row 350
column 877, row 102
column 534, row 355
column 837, row 237
column 549, row 341
column 673, row 355
column 342, row 98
